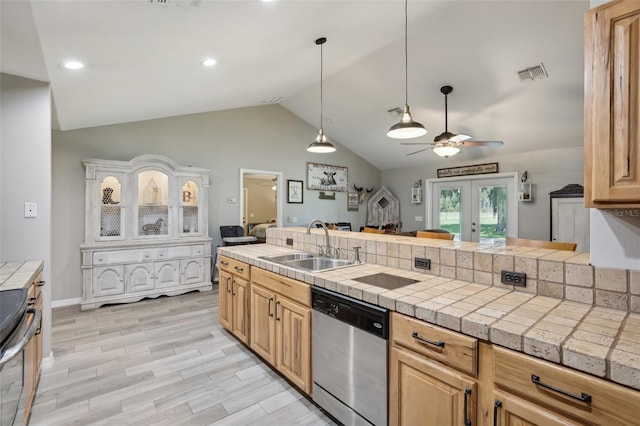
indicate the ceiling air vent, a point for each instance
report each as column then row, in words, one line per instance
column 163, row 2
column 537, row 72
column 395, row 112
column 272, row 100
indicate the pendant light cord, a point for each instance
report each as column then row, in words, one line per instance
column 406, row 56
column 321, row 106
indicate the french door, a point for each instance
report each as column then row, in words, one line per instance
column 479, row 209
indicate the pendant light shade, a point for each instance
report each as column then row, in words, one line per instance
column 406, row 128
column 321, row 145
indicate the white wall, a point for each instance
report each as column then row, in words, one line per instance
column 25, row 176
column 548, row 171
column 261, row 138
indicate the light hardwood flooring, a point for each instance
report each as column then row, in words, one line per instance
column 164, row 361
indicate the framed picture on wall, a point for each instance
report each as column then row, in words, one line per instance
column 323, row 177
column 416, row 195
column 294, row 191
column 352, row 201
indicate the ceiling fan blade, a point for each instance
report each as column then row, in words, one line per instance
column 416, row 143
column 482, row 143
column 422, row 150
column 459, row 138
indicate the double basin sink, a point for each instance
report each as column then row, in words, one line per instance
column 308, row 262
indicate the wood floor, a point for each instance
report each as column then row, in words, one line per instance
column 165, row 361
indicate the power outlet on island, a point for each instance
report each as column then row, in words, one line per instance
column 289, row 241
column 422, row 263
column 514, row 278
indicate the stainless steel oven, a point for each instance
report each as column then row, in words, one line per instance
column 349, row 358
column 18, row 324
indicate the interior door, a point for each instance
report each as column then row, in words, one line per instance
column 480, row 209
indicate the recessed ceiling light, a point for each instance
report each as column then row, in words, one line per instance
column 208, row 62
column 72, row 65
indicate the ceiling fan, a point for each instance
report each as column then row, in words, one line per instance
column 447, row 144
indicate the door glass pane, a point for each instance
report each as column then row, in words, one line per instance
column 493, row 214
column 450, row 211
column 110, row 207
column 190, row 207
column 153, row 199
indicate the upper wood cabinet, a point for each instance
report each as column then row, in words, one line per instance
column 612, row 105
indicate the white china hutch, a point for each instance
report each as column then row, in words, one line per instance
column 146, row 230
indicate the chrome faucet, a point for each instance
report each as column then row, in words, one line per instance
column 327, row 241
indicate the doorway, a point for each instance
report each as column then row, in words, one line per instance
column 478, row 209
column 261, row 197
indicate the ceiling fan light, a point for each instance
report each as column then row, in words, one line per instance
column 446, row 150
column 406, row 128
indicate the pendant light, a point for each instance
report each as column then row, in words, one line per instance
column 406, row 128
column 321, row 145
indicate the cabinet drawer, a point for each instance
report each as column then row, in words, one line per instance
column 610, row 404
column 183, row 251
column 235, row 267
column 448, row 347
column 122, row 256
column 292, row 289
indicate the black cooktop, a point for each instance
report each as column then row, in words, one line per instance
column 387, row 281
column 13, row 304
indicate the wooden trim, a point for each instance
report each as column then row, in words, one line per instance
column 555, row 245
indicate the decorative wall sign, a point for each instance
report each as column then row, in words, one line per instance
column 323, row 177
column 353, row 199
column 476, row 169
column 294, row 191
column 325, row 196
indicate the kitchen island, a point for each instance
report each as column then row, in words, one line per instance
column 594, row 338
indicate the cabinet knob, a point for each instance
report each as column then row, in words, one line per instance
column 161, row 254
column 100, row 258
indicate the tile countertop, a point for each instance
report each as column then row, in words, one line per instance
column 600, row 341
column 19, row 274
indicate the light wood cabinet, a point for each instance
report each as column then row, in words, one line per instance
column 281, row 325
column 33, row 350
column 233, row 287
column 525, row 384
column 612, row 105
column 146, row 230
column 422, row 389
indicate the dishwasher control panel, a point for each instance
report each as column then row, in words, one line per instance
column 367, row 317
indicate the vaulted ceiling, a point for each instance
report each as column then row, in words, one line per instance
column 143, row 62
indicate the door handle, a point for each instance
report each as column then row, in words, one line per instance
column 467, row 392
column 270, row 300
column 497, row 404
column 228, row 289
column 277, row 317
column 232, row 282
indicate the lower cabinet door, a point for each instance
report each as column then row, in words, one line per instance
column 167, row 274
column 510, row 410
column 424, row 392
column 240, row 311
column 192, row 271
column 139, row 277
column 293, row 342
column 225, row 300
column 108, row 280
column 263, row 323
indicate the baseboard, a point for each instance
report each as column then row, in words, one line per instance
column 47, row 362
column 65, row 302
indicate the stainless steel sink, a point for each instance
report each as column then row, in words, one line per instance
column 287, row 257
column 308, row 261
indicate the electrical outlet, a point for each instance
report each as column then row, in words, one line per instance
column 513, row 278
column 422, row 263
column 30, row 210
column 289, row 241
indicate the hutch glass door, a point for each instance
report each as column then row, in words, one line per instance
column 153, row 203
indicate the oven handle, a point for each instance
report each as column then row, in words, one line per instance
column 14, row 350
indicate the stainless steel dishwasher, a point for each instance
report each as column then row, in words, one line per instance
column 349, row 358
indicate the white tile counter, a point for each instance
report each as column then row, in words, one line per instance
column 601, row 341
